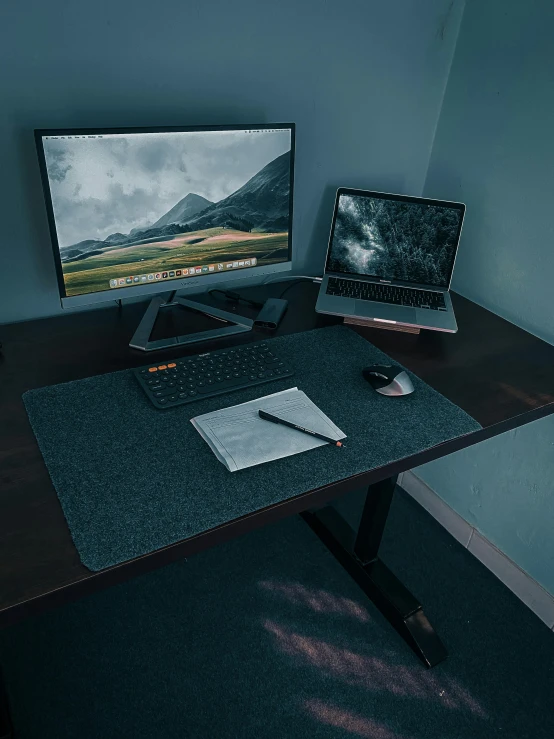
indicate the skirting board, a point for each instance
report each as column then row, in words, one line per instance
column 519, row 582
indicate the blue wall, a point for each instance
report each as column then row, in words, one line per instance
column 494, row 149
column 363, row 80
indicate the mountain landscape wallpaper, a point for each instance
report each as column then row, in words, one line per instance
column 144, row 204
column 394, row 240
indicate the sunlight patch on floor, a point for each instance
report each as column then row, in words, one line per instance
column 373, row 673
column 318, row 600
column 348, row 721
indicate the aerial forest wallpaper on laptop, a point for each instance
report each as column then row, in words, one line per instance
column 394, row 240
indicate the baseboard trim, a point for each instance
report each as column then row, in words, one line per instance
column 519, row 582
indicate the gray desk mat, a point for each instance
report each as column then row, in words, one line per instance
column 132, row 479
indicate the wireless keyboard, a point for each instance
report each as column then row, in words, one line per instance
column 185, row 380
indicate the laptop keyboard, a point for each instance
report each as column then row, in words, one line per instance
column 386, row 293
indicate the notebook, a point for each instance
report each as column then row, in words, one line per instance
column 239, row 438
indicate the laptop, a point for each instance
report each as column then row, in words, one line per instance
column 390, row 259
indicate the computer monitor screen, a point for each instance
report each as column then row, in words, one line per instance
column 395, row 237
column 133, row 209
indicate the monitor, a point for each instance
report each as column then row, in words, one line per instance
column 150, row 210
column 395, row 238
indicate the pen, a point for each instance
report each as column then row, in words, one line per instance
column 275, row 419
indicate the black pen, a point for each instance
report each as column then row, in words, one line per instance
column 275, row 419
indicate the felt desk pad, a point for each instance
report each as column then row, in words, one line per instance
column 132, row 479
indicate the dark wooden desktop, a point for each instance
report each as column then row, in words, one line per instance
column 498, row 373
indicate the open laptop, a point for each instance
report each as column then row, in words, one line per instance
column 390, row 259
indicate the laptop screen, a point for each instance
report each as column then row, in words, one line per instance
column 396, row 238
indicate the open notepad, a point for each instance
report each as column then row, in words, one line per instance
column 239, row 438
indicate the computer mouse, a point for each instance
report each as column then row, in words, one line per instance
column 388, row 379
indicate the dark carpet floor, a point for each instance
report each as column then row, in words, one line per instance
column 266, row 637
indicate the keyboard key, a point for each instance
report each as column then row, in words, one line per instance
column 393, row 294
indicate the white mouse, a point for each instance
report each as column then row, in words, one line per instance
column 388, row 379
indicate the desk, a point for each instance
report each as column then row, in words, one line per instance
column 498, row 373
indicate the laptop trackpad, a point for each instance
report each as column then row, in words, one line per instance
column 399, row 313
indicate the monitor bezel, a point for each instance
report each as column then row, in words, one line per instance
column 198, row 283
column 399, row 198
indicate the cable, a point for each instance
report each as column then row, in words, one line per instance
column 269, row 281
column 296, row 279
column 233, row 297
column 288, row 287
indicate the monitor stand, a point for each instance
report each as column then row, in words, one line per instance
column 141, row 339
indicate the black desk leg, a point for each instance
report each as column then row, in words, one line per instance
column 358, row 555
column 5, row 723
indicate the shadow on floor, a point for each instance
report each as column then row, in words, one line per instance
column 266, row 637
